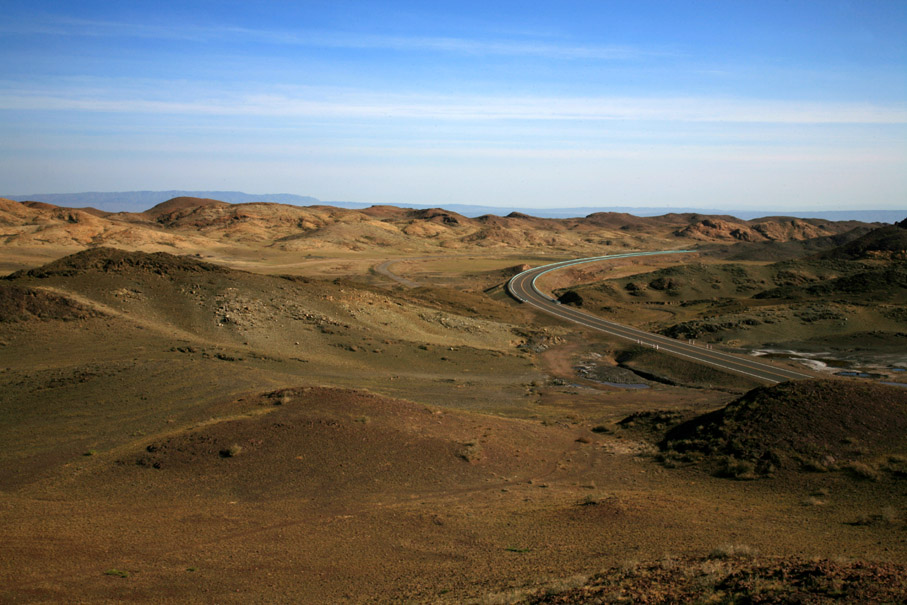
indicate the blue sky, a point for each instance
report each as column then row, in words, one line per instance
column 737, row 105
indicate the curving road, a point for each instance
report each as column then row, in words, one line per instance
column 523, row 288
column 385, row 270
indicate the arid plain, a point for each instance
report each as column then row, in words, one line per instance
column 222, row 403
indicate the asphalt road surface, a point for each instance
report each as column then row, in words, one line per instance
column 523, row 288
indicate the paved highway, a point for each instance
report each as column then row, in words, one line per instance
column 523, row 288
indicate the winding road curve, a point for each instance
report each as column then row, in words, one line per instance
column 385, row 270
column 523, row 288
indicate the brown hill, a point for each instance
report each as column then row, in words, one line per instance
column 813, row 424
column 384, row 212
column 178, row 204
column 105, row 260
column 717, row 229
column 196, row 224
column 888, row 242
column 86, row 209
column 22, row 304
column 774, row 229
column 876, row 284
column 325, row 444
column 629, row 222
column 30, row 224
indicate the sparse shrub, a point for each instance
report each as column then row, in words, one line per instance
column 470, row 451
column 629, row 568
column 732, row 468
column 814, row 466
column 727, row 551
column 887, row 516
column 765, row 468
column 118, row 573
column 897, row 466
column 517, row 595
column 666, row 460
column 890, row 515
column 564, row 585
column 232, row 451
column 570, row 297
column 862, row 471
column 691, row 457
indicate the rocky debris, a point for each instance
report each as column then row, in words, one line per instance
column 731, row 574
column 698, row 328
column 716, row 229
column 452, row 322
column 538, row 342
column 777, row 230
column 113, row 260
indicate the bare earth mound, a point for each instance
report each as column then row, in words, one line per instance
column 814, row 424
column 325, row 444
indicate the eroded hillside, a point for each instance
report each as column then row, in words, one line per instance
column 179, row 429
column 196, row 225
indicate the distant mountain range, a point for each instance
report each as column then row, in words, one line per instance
column 137, row 201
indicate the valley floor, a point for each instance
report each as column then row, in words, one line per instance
column 177, row 431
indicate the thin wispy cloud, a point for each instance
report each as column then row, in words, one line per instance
column 317, row 103
column 518, row 100
column 472, row 150
column 64, row 26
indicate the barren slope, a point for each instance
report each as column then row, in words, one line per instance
column 178, row 431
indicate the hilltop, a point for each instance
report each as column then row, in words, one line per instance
column 816, row 425
column 191, row 224
column 888, row 242
column 136, row 201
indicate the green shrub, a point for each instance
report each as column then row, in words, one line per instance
column 118, row 573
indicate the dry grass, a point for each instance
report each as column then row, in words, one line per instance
column 372, row 486
column 231, row 452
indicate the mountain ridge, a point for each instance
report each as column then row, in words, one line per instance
column 138, row 201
